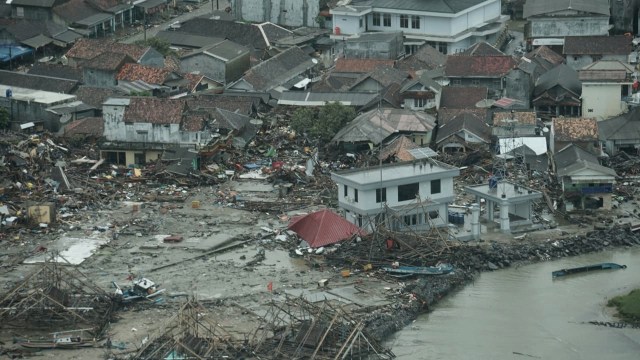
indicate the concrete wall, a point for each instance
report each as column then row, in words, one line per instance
column 560, row 27
column 495, row 85
column 281, row 12
column 30, row 111
column 366, row 49
column 205, row 64
column 602, row 101
column 115, row 129
column 99, row 78
column 622, row 15
column 152, row 58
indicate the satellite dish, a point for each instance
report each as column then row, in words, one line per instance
column 257, row 122
column 315, row 61
column 545, row 129
column 486, row 103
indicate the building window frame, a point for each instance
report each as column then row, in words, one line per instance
column 404, row 21
column 436, row 186
column 415, row 22
column 381, row 195
column 419, row 103
column 345, row 190
column 408, row 192
column 376, row 19
column 386, row 20
column 355, row 195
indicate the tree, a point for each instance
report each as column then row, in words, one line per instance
column 5, row 119
column 162, row 46
column 323, row 124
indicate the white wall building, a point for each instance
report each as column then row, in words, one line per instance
column 605, row 86
column 450, row 26
column 408, row 195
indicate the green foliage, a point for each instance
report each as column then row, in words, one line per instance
column 140, row 93
column 321, row 20
column 323, row 124
column 5, row 119
column 162, row 46
column 628, row 305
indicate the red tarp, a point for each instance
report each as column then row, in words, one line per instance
column 323, row 228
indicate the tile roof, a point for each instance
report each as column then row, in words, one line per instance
column 479, row 66
column 384, row 75
column 90, row 48
column 607, row 71
column 240, row 104
column 481, row 49
column 38, row 3
column 427, row 57
column 154, row 110
column 622, row 127
column 241, row 33
column 507, row 118
column 573, row 158
column 323, row 228
column 91, row 126
column 193, row 122
column 37, row 82
column 273, row 32
column 439, row 6
column 230, row 120
column 110, row 61
column 279, row 69
column 361, row 65
column 544, row 58
column 458, row 97
column 56, row 70
column 148, row 74
column 597, row 45
column 575, row 129
column 378, row 124
column 96, row 96
column 399, row 148
column 468, row 121
column 446, row 114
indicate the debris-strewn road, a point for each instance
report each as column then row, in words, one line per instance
column 200, row 10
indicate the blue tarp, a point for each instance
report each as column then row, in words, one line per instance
column 10, row 52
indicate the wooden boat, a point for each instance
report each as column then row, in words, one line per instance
column 439, row 269
column 576, row 270
column 65, row 342
column 142, row 288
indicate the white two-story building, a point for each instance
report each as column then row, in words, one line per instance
column 408, row 195
column 449, row 26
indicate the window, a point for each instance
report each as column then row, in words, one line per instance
column 345, row 188
column 381, row 195
column 404, row 21
column 497, row 83
column 19, row 11
column 435, row 186
column 418, row 103
column 355, row 195
column 360, row 220
column 457, row 82
column 415, row 22
column 408, row 191
column 434, row 214
column 386, row 20
column 361, row 22
column 376, row 19
column 475, row 82
column 411, row 220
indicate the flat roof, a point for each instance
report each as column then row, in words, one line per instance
column 117, row 101
column 396, row 171
column 38, row 96
column 508, row 189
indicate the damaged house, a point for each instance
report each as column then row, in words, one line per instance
column 401, row 196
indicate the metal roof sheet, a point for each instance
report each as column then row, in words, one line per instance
column 323, row 228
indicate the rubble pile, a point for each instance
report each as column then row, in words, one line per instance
column 624, row 164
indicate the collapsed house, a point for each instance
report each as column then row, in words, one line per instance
column 299, row 329
column 53, row 297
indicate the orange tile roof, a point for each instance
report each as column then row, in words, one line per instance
column 90, row 48
column 148, row 74
column 575, row 129
column 361, row 65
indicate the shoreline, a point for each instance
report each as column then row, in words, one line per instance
column 422, row 294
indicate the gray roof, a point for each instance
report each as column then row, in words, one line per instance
column 573, row 158
column 148, row 4
column 68, row 36
column 439, row 6
column 425, row 80
column 561, row 75
column 226, row 119
column 226, row 50
column 622, row 127
column 56, row 70
column 182, row 39
column 38, row 3
column 378, row 124
column 37, row 82
column 375, row 37
column 384, row 75
column 543, row 7
column 468, row 121
column 321, row 98
column 94, row 19
column 278, row 70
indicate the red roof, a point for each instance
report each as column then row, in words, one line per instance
column 323, row 228
column 361, row 65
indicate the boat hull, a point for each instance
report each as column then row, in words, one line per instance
column 419, row 270
column 588, row 268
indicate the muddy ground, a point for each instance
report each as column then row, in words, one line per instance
column 232, row 286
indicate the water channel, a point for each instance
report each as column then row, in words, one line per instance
column 522, row 313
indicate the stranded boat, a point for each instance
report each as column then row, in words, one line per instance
column 576, row 270
column 142, row 288
column 439, row 269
